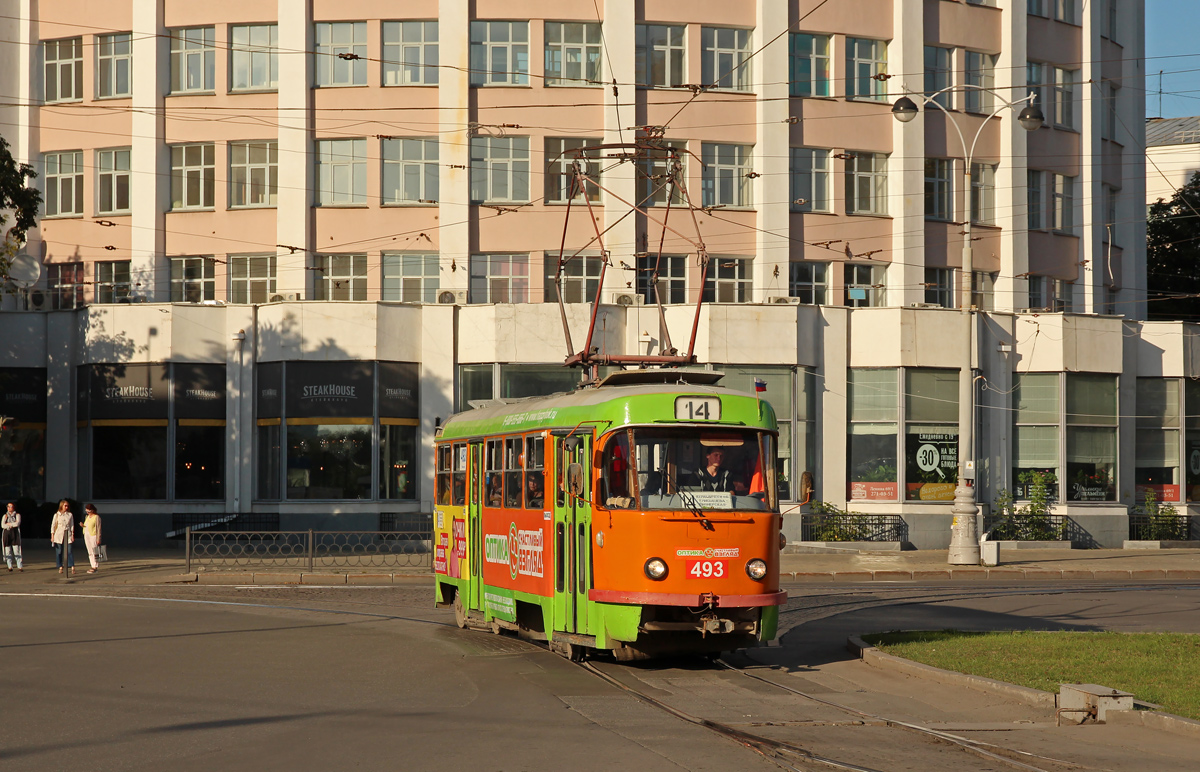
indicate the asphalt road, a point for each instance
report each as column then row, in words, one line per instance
column 304, row 678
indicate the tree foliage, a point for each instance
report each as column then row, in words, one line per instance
column 17, row 200
column 1173, row 255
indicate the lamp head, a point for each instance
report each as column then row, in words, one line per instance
column 1031, row 118
column 905, row 109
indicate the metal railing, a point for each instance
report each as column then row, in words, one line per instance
column 853, row 527
column 308, row 550
column 1159, row 528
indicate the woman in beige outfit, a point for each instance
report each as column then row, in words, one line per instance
column 91, row 537
column 62, row 536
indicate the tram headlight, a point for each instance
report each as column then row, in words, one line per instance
column 656, row 569
column 756, row 569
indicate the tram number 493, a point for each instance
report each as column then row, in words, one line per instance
column 706, row 569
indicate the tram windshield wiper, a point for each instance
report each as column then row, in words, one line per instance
column 690, row 502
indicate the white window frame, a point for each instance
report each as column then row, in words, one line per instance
column 252, row 278
column 113, row 166
column 580, row 280
column 1112, row 232
column 411, row 53
column 983, row 193
column 410, row 170
column 254, row 48
column 192, row 279
column 865, row 59
column 411, row 277
column 939, row 189
column 193, row 47
column 574, row 62
column 810, row 61
column 726, row 179
column 65, row 282
column 253, row 182
column 62, row 70
column 1035, row 81
column 335, row 40
column 341, row 276
column 341, row 172
column 112, row 280
column 939, row 286
column 62, row 175
column 869, row 169
column 867, row 277
column 114, row 64
column 983, row 290
column 559, row 169
column 490, row 41
column 812, row 179
column 499, row 278
column 187, row 169
column 652, row 191
column 1035, row 199
column 500, row 169
column 980, row 71
column 725, row 58
column 672, row 276
column 1109, row 121
column 1062, row 203
column 809, row 281
column 730, row 280
column 1064, row 98
column 1064, row 10
column 671, row 46
column 939, row 74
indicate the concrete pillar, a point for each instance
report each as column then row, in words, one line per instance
column 439, row 346
column 150, row 179
column 1012, row 201
column 454, row 103
column 240, row 430
column 61, row 348
column 620, row 26
column 1089, row 191
column 771, row 190
column 832, row 416
column 906, row 179
column 294, row 220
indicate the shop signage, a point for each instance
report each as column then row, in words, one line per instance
column 932, row 466
column 1164, row 492
column 399, row 389
column 128, row 391
column 268, row 390
column 23, row 393
column 334, row 389
column 873, row 491
column 199, row 390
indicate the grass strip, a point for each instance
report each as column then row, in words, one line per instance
column 1162, row 668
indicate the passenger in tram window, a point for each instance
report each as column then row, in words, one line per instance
column 495, row 491
column 713, row 475
column 535, row 495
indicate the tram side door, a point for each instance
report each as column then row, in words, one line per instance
column 582, row 542
column 572, row 528
column 475, row 522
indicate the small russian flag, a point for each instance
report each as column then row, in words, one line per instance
column 759, row 385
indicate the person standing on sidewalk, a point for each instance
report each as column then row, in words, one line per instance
column 91, row 536
column 11, row 522
column 62, row 536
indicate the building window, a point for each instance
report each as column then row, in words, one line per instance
column 572, row 53
column 1110, row 20
column 726, row 180
column 980, row 72
column 1064, row 10
column 580, row 280
column 983, row 193
column 112, row 281
column 660, row 55
column 671, row 282
column 983, row 290
column 499, row 169
column 1157, row 446
column 866, row 183
column 872, row 407
column 1108, row 122
column 341, row 172
column 1091, row 419
column 937, row 74
column 939, row 287
column 1064, row 98
column 499, row 53
column 1036, row 432
column 1036, row 7
column 1049, row 294
column 930, row 434
column 253, row 173
column 329, row 460
column 865, row 59
column 410, row 53
column 251, row 278
column 1191, row 408
column 64, row 183
column 810, row 180
column 808, row 281
column 410, row 170
column 1062, row 203
column 112, row 181
column 864, row 285
column 114, row 65
column 725, row 58
column 255, row 56
column 657, row 175
column 1112, row 230
column 809, row 65
column 1035, row 82
column 193, row 60
column 411, row 278
column 398, row 467
column 561, row 185
column 341, row 277
column 728, row 280
column 341, row 57
column 193, row 175
column 1035, row 199
column 499, row 279
column 65, row 282
column 938, row 202
column 192, row 279
column 64, row 69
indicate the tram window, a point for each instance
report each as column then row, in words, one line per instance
column 514, row 451
column 673, row 465
column 560, row 474
column 494, row 473
column 443, row 475
column 460, row 474
column 614, row 475
column 535, row 473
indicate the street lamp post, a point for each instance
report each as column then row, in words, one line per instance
column 967, row 528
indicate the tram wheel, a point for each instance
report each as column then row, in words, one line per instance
column 575, row 652
column 460, row 613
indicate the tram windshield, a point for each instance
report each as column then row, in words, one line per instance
column 693, row 469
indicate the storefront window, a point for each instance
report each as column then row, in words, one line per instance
column 1035, row 432
column 269, row 453
column 398, row 469
column 199, row 461
column 328, row 461
column 1091, row 418
column 1157, row 446
column 129, row 462
column 806, row 433
column 871, row 445
column 536, row 380
column 930, row 434
column 268, row 410
column 1191, row 403
column 23, row 433
column 474, row 383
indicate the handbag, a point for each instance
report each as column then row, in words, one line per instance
column 101, row 553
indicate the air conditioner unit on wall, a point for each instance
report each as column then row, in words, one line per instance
column 452, row 297
column 39, row 300
column 927, row 305
column 783, row 300
column 627, row 299
column 283, row 297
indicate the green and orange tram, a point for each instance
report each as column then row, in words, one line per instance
column 637, row 516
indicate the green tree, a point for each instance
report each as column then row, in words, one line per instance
column 1173, row 255
column 22, row 200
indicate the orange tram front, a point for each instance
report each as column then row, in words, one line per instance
column 637, row 519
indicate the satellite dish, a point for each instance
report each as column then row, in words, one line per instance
column 25, row 271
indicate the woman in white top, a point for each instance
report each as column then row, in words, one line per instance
column 11, row 522
column 62, row 536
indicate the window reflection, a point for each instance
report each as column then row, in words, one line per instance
column 199, row 462
column 129, row 462
column 329, row 461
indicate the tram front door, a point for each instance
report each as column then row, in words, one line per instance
column 572, row 533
